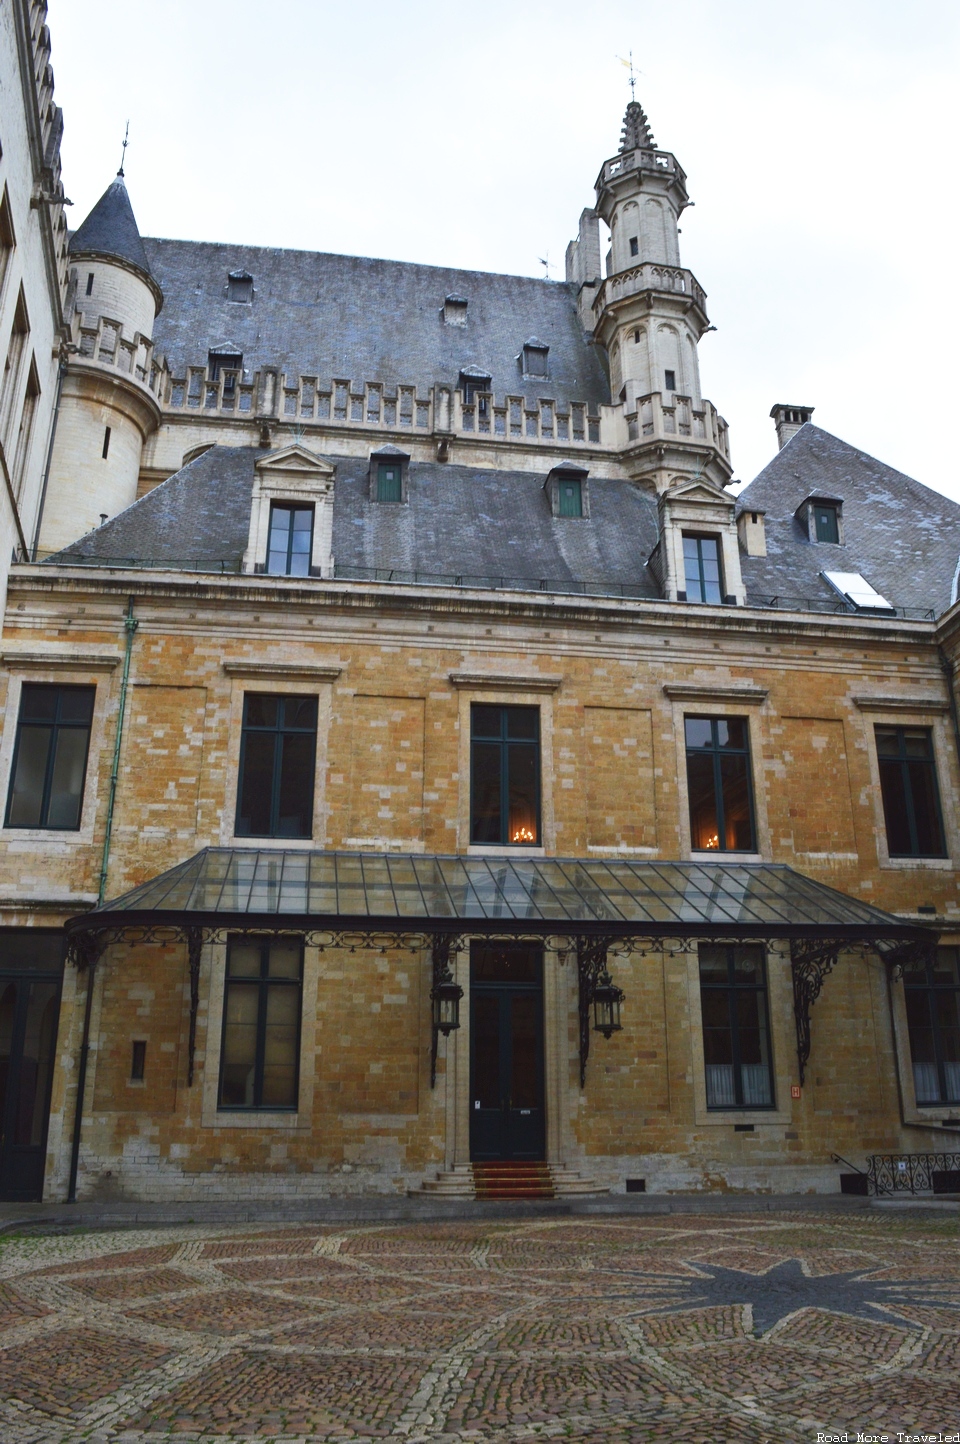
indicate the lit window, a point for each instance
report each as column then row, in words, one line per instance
column 736, row 1033
column 911, row 798
column 504, row 774
column 718, row 783
column 389, row 481
column 670, row 380
column 931, row 991
column 260, row 1050
column 291, row 540
column 570, row 496
column 50, row 757
column 277, row 756
column 825, row 522
column 701, row 561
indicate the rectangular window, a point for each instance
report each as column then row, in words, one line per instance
column 718, row 781
column 932, row 994
column 50, row 757
column 277, row 760
column 826, row 523
column 290, row 544
column 138, row 1060
column 570, row 496
column 911, row 799
column 7, row 237
column 389, row 481
column 106, row 443
column 701, row 562
column 504, row 774
column 670, row 380
column 634, row 246
column 90, row 284
column 260, row 1052
column 736, row 1033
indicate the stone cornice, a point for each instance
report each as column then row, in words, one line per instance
column 60, row 657
column 707, row 692
column 310, row 671
column 112, row 387
column 902, row 704
column 507, row 681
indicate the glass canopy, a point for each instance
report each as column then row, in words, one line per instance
column 249, row 887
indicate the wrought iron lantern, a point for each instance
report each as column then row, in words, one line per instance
column 607, row 998
column 446, row 995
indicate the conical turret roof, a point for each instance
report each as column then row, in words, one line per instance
column 111, row 229
column 637, row 134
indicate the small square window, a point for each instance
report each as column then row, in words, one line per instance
column 291, row 540
column 240, row 286
column 389, row 481
column 670, row 380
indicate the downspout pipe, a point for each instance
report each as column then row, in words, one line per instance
column 61, row 373
column 948, row 673
column 130, row 624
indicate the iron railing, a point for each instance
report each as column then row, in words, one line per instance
column 913, row 1173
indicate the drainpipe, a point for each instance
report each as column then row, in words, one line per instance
column 62, row 371
column 947, row 667
column 130, row 625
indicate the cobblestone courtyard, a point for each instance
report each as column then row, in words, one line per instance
column 670, row 1328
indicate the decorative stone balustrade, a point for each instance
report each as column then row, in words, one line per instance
column 654, row 421
column 105, row 343
column 659, row 160
column 650, row 276
column 271, row 395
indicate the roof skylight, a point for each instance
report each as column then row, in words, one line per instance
column 856, row 589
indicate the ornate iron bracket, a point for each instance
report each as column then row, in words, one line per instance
column 194, row 949
column 591, row 962
column 810, row 963
column 444, row 947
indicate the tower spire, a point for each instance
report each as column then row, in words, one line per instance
column 123, row 153
column 636, row 134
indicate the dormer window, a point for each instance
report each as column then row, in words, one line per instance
column 474, row 384
column 566, row 488
column 825, row 522
column 455, row 311
column 291, row 540
column 226, row 362
column 240, row 286
column 388, row 475
column 534, row 359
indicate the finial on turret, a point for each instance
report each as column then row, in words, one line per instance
column 637, row 134
column 123, row 154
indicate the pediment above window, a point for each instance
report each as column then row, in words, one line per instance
column 697, row 558
column 296, row 464
column 288, row 483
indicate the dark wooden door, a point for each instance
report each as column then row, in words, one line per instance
column 28, row 1033
column 506, row 1054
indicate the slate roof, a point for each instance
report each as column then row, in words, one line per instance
column 357, row 319
column 111, row 229
column 458, row 518
column 901, row 536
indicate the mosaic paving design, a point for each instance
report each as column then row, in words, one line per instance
column 744, row 1330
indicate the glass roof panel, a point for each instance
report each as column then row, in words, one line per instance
column 629, row 897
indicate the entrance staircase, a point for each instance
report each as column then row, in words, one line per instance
column 508, row 1180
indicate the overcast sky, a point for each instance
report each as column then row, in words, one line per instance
column 819, row 141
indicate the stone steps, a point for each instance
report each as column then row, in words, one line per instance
column 508, row 1181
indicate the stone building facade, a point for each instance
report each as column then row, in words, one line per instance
column 422, row 772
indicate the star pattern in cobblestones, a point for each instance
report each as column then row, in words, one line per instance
column 605, row 1331
column 786, row 1287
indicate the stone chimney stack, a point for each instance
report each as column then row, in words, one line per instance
column 788, row 421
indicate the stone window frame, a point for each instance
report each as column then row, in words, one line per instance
column 285, row 680
column 913, row 712
column 61, row 671
column 704, row 701
column 298, row 478
column 930, row 1114
column 506, row 691
column 213, row 971
column 783, row 1045
column 551, row 486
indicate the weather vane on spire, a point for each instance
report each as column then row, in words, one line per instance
column 633, row 79
column 126, row 142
